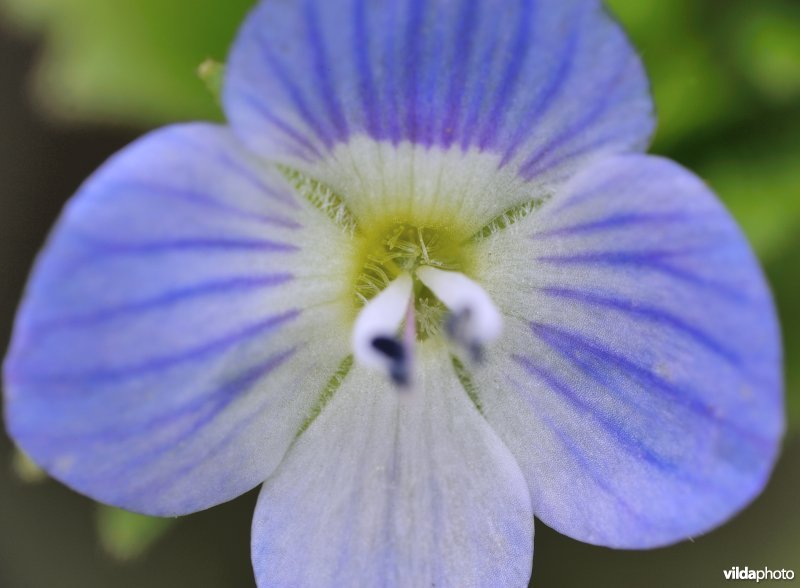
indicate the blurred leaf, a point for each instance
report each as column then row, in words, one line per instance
column 25, row 469
column 766, row 41
column 691, row 91
column 759, row 180
column 130, row 61
column 125, row 535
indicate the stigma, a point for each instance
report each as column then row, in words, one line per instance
column 384, row 333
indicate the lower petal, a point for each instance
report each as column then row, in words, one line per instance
column 638, row 382
column 396, row 488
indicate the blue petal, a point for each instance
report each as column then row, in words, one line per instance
column 639, row 382
column 167, row 348
column 396, row 489
column 542, row 84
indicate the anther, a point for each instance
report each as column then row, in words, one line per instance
column 474, row 320
column 397, row 355
column 376, row 341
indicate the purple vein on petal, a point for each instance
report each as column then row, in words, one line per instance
column 462, row 55
column 548, row 96
column 366, row 79
column 608, row 138
column 537, row 162
column 518, row 55
column 630, row 444
column 569, row 343
column 244, row 172
column 226, row 286
column 616, row 221
column 173, row 477
column 322, row 72
column 162, row 362
column 410, row 73
column 652, row 260
column 638, row 311
column 429, row 114
column 295, row 94
column 105, row 247
column 589, row 466
column 200, row 408
column 480, row 94
column 202, row 199
column 391, row 115
column 303, row 144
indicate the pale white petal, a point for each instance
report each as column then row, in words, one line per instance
column 396, row 489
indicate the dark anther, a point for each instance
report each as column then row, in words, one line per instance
column 396, row 353
column 454, row 325
column 391, row 348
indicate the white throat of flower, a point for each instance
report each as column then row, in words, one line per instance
column 472, row 322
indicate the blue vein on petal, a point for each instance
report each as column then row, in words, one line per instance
column 568, row 343
column 366, row 79
column 228, row 393
column 537, row 162
column 201, row 408
column 106, row 247
column 518, row 55
column 637, row 311
column 588, row 465
column 462, row 55
column 160, row 363
column 242, row 171
column 628, row 443
column 168, row 298
column 547, row 97
column 325, row 86
column 654, row 260
column 410, row 90
column 201, row 199
column 287, row 129
column 616, row 221
column 294, row 93
column 478, row 96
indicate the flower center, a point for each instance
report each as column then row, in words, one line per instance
column 412, row 285
column 387, row 252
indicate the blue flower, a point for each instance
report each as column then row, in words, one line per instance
column 425, row 287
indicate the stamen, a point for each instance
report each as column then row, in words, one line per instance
column 474, row 320
column 375, row 335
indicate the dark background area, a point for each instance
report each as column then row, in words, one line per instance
column 48, row 533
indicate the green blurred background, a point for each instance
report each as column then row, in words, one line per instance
column 80, row 78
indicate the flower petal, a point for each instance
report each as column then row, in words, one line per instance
column 541, row 84
column 396, row 488
column 639, row 380
column 173, row 337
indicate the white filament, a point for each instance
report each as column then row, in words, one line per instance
column 381, row 318
column 479, row 321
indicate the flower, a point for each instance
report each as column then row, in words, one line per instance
column 425, row 285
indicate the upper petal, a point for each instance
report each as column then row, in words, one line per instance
column 541, row 84
column 172, row 336
column 639, row 380
column 396, row 488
